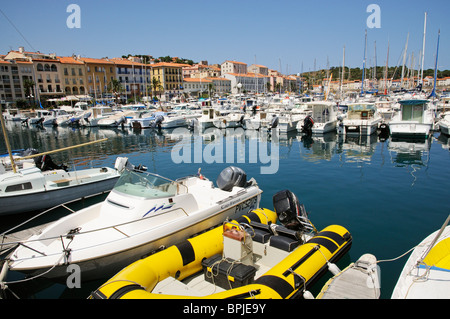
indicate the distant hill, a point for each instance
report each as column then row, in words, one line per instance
column 356, row 73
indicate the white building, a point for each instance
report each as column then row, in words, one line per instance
column 248, row 82
column 233, row 67
column 196, row 86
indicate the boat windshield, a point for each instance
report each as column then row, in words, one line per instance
column 147, row 185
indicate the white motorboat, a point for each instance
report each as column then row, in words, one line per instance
column 201, row 123
column 288, row 121
column 147, row 120
column 361, row 119
column 324, row 115
column 42, row 117
column 444, row 123
column 386, row 110
column 426, row 274
column 143, row 213
column 5, row 160
column 33, row 187
column 92, row 116
column 14, row 115
column 64, row 119
column 50, row 117
column 115, row 119
column 259, row 120
column 173, row 120
column 415, row 119
column 231, row 120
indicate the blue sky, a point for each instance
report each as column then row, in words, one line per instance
column 281, row 34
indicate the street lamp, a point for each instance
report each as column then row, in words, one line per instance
column 239, row 86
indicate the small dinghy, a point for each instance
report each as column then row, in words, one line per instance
column 252, row 257
column 143, row 213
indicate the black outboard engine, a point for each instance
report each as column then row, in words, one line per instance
column 241, row 120
column 308, row 123
column 230, row 177
column 44, row 162
column 193, row 124
column 291, row 213
column 384, row 131
column 158, row 120
column 274, row 121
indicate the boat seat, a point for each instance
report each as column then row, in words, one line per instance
column 260, row 232
column 66, row 181
column 286, row 239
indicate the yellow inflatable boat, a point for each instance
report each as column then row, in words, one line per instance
column 263, row 255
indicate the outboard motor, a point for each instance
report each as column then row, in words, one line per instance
column 122, row 163
column 230, row 177
column 384, row 131
column 193, row 124
column 274, row 121
column 308, row 123
column 158, row 120
column 44, row 162
column 241, row 120
column 291, row 213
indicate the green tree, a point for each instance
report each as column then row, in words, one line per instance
column 211, row 88
column 28, row 86
column 116, row 88
column 157, row 86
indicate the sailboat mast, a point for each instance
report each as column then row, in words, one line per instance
column 386, row 74
column 8, row 146
column 404, row 60
column 423, row 47
column 364, row 65
column 375, row 68
column 342, row 73
column 433, row 93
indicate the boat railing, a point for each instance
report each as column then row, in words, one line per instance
column 76, row 231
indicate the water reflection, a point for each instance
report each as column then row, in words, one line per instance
column 368, row 154
column 349, row 149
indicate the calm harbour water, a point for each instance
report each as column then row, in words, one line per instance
column 388, row 194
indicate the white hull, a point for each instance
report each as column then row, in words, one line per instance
column 410, row 129
column 50, row 198
column 227, row 123
column 46, row 121
column 142, row 123
column 290, row 126
column 415, row 119
column 322, row 128
column 31, row 190
column 365, row 127
column 173, row 123
column 444, row 127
